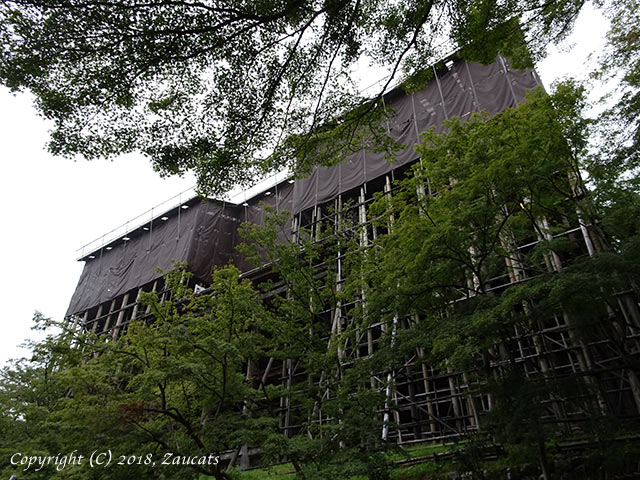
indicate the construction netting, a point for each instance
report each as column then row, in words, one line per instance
column 205, row 234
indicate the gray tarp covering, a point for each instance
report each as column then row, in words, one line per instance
column 205, row 234
column 202, row 236
column 457, row 91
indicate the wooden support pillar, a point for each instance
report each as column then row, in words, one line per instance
column 585, row 233
column 136, row 307
column 427, row 392
column 96, row 319
column 317, row 224
column 455, row 400
column 389, row 388
column 287, row 367
column 121, row 314
column 85, row 319
column 629, row 308
column 474, row 419
column 387, row 191
column 80, row 326
column 295, row 223
column 634, row 384
column 552, row 260
column 107, row 323
column 417, row 434
column 336, row 328
column 362, row 219
column 245, row 462
column 76, row 321
column 154, row 287
column 396, row 415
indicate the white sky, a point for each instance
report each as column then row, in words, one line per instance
column 52, row 206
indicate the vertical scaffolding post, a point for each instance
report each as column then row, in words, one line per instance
column 94, row 327
column 388, row 388
column 116, row 329
column 107, row 322
column 427, row 391
column 154, row 287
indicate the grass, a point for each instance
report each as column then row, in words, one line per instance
column 281, row 472
column 572, row 464
column 414, row 472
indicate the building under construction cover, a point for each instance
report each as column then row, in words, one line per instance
column 427, row 403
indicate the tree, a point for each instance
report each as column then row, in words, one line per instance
column 28, row 392
column 233, row 89
column 613, row 169
column 621, row 60
column 335, row 407
column 480, row 253
column 168, row 396
column 195, row 379
column 485, row 242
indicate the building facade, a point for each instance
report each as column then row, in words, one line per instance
column 426, row 403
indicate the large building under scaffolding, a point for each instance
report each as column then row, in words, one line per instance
column 429, row 404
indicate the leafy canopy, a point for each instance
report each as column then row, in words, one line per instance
column 193, row 378
column 202, row 375
column 485, row 251
column 230, row 88
column 176, row 383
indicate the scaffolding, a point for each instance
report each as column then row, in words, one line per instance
column 423, row 402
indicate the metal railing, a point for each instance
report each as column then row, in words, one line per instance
column 235, row 196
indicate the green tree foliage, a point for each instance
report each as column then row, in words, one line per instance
column 230, row 89
column 177, row 384
column 455, row 260
column 193, row 379
column 190, row 379
column 347, row 441
column 614, row 169
column 167, row 81
column 487, row 182
column 621, row 59
column 28, row 395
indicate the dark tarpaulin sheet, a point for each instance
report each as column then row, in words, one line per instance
column 280, row 200
column 214, row 240
column 254, row 212
column 350, row 176
column 304, row 191
column 429, row 107
column 458, row 94
column 492, row 87
column 521, row 81
column 459, row 91
column 202, row 235
column 284, row 204
column 329, row 181
column 206, row 234
column 402, row 128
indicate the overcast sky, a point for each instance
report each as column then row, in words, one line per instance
column 50, row 207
